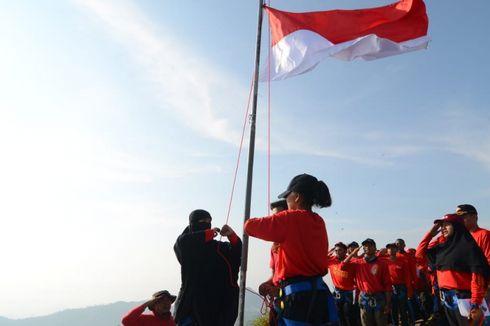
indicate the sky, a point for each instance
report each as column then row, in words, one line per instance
column 118, row 118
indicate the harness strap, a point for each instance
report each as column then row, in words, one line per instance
column 316, row 284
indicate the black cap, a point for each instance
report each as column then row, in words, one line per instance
column 301, row 183
column 391, row 245
column 198, row 214
column 466, row 209
column 368, row 241
column 353, row 244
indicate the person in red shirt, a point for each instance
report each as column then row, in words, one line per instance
column 302, row 258
column 270, row 288
column 373, row 281
column 159, row 305
column 402, row 285
column 343, row 281
column 481, row 235
column 412, row 304
column 462, row 269
column 421, row 288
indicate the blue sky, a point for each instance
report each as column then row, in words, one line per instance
column 117, row 118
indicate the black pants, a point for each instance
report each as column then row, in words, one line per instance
column 348, row 314
column 307, row 306
column 449, row 301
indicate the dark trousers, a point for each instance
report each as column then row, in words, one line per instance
column 399, row 305
column 348, row 314
column 449, row 299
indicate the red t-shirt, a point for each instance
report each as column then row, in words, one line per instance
column 136, row 317
column 370, row 277
column 303, row 239
column 399, row 272
column 482, row 238
column 342, row 279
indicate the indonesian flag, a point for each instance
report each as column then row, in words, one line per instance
column 301, row 40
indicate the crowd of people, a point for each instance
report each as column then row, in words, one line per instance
column 444, row 281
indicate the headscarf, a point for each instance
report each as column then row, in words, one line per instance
column 459, row 252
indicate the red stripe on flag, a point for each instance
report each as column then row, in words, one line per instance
column 398, row 22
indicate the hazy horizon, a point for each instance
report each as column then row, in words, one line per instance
column 118, row 118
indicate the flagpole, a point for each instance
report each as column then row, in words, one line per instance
column 251, row 151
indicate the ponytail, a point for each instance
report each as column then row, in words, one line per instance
column 322, row 196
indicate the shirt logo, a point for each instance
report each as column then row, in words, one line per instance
column 374, row 269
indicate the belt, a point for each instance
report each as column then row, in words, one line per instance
column 308, row 285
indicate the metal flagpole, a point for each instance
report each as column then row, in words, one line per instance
column 251, row 149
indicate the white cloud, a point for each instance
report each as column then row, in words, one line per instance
column 200, row 94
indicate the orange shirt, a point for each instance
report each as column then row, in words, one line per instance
column 302, row 236
column 341, row 279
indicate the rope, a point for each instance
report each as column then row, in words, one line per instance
column 239, row 151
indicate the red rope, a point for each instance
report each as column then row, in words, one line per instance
column 239, row 151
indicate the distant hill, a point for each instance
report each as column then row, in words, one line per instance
column 108, row 315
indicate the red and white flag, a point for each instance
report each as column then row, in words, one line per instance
column 301, row 40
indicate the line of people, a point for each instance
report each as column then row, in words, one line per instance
column 376, row 287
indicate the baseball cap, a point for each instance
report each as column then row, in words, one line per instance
column 368, row 241
column 353, row 244
column 466, row 209
column 451, row 218
column 301, row 183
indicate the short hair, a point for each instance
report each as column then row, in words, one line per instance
column 341, row 245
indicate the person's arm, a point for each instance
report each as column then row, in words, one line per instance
column 478, row 289
column 132, row 318
column 347, row 261
column 420, row 253
column 270, row 228
column 232, row 250
column 351, row 255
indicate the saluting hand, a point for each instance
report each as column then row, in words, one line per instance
column 435, row 229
